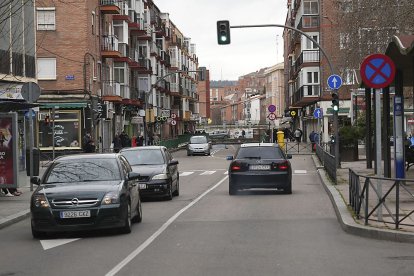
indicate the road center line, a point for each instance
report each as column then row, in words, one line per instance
column 145, row 244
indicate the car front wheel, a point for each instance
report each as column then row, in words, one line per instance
column 128, row 222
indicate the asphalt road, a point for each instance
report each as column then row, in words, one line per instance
column 205, row 231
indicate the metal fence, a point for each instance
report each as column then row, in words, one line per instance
column 297, row 147
column 327, row 160
column 379, row 199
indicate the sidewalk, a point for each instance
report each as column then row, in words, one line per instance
column 16, row 208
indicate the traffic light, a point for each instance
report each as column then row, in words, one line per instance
column 335, row 101
column 223, row 32
column 332, row 139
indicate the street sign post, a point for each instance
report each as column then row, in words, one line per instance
column 334, row 82
column 378, row 71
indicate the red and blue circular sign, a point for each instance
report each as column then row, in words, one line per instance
column 377, row 71
column 271, row 108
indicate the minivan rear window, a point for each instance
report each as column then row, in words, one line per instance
column 260, row 153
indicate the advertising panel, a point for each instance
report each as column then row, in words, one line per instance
column 8, row 150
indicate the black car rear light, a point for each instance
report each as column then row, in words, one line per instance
column 235, row 167
column 283, row 166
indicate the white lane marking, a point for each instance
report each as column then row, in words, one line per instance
column 226, row 172
column 47, row 244
column 300, row 171
column 144, row 245
column 185, row 173
column 207, row 173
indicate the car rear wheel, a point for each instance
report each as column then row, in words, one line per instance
column 232, row 190
column 128, row 222
column 288, row 189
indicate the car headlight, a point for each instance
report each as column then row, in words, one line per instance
column 110, row 198
column 161, row 176
column 40, row 201
column 206, row 147
column 190, row 147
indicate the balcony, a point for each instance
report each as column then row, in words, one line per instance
column 155, row 50
column 131, row 96
column 165, row 58
column 111, row 91
column 110, row 6
column 306, row 95
column 144, row 66
column 309, row 22
column 307, row 57
column 123, row 13
column 109, row 47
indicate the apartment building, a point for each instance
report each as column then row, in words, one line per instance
column 275, row 93
column 112, row 66
column 17, row 52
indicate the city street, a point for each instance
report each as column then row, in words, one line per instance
column 204, row 231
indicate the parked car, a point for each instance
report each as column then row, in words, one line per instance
column 260, row 165
column 85, row 192
column 198, row 145
column 219, row 134
column 159, row 175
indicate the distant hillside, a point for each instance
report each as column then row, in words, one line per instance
column 224, row 83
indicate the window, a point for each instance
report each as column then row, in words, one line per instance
column 46, row 19
column 310, row 7
column 46, row 68
column 310, row 44
column 93, row 22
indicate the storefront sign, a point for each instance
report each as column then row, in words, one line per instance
column 8, row 150
column 137, row 120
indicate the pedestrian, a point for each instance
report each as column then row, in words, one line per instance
column 140, row 140
column 156, row 139
column 11, row 192
column 117, row 145
column 243, row 133
column 312, row 140
column 298, row 135
column 88, row 143
column 134, row 141
column 125, row 140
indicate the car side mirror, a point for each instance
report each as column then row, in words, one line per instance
column 173, row 162
column 35, row 180
column 229, row 157
column 133, row 175
column 289, row 156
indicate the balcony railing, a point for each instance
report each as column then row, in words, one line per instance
column 306, row 56
column 110, row 6
column 109, row 43
column 174, row 88
column 306, row 91
column 145, row 63
column 111, row 88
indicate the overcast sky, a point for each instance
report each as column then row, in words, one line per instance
column 251, row 48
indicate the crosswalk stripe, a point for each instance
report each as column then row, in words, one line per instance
column 207, row 172
column 185, row 173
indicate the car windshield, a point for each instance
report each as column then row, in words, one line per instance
column 198, row 140
column 260, row 153
column 144, row 157
column 83, row 170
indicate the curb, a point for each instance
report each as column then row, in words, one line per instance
column 346, row 220
column 7, row 221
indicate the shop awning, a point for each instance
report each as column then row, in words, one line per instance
column 63, row 105
column 15, row 105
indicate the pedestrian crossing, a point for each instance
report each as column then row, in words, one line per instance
column 225, row 172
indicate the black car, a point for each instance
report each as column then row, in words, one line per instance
column 85, row 192
column 260, row 165
column 159, row 176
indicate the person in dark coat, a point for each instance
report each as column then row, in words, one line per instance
column 117, row 143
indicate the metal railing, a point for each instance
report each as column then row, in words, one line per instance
column 298, row 147
column 328, row 160
column 394, row 195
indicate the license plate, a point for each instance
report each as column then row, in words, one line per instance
column 259, row 167
column 142, row 186
column 75, row 214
